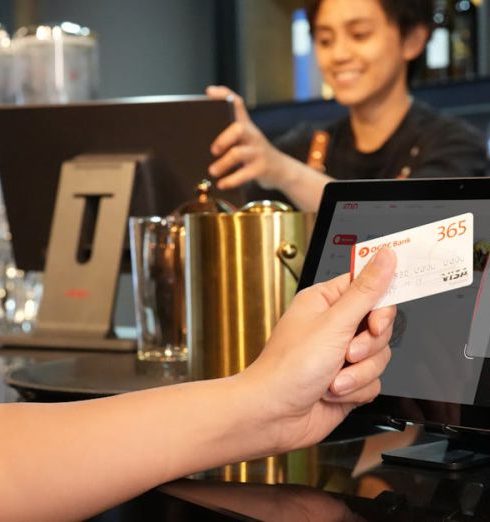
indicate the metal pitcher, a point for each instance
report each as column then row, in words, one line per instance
column 241, row 272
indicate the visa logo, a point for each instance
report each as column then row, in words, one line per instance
column 454, row 275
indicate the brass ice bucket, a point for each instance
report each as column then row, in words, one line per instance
column 241, row 272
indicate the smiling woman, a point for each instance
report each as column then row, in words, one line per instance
column 363, row 54
column 365, row 50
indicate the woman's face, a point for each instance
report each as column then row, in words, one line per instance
column 360, row 51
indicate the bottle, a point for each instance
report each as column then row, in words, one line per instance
column 439, row 50
column 464, row 40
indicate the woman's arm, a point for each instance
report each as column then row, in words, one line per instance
column 69, row 461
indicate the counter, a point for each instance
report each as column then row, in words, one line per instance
column 333, row 481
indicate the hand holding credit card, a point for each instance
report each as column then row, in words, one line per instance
column 431, row 259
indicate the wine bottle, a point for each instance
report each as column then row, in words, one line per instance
column 464, row 40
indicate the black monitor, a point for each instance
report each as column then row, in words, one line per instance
column 174, row 131
column 439, row 374
column 72, row 174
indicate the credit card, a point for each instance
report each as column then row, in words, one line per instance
column 432, row 258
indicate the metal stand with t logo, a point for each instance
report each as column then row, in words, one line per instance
column 84, row 255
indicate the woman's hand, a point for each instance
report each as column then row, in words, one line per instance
column 244, row 153
column 306, row 389
column 98, row 453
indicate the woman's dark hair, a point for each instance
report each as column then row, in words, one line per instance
column 406, row 14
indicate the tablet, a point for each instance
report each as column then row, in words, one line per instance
column 439, row 373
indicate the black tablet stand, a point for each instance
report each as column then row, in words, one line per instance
column 451, row 451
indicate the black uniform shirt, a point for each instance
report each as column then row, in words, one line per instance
column 426, row 144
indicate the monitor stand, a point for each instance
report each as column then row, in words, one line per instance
column 84, row 256
column 443, row 453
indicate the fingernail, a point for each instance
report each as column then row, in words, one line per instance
column 358, row 351
column 212, row 171
column 343, row 384
column 383, row 325
column 383, row 259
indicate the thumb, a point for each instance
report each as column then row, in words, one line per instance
column 241, row 113
column 365, row 291
column 220, row 92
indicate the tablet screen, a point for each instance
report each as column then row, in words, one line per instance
column 440, row 343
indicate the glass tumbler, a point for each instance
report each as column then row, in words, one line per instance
column 157, row 260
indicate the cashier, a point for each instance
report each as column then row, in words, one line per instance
column 366, row 51
column 70, row 461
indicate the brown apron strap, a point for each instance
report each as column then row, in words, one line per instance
column 404, row 173
column 406, row 170
column 318, row 150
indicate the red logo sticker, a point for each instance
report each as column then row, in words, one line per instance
column 77, row 293
column 345, row 239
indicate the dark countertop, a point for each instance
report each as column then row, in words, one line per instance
column 59, row 375
column 333, row 481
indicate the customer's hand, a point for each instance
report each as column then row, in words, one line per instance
column 305, row 389
column 243, row 152
column 293, row 395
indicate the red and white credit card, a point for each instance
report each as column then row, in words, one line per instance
column 431, row 259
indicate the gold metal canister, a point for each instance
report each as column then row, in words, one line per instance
column 241, row 273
